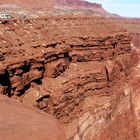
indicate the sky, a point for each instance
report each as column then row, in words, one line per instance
column 127, row 8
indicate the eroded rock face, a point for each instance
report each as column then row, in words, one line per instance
column 135, row 83
column 35, row 8
column 72, row 69
column 136, row 39
column 20, row 122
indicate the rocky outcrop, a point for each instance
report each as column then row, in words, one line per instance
column 70, row 68
column 20, row 122
column 132, row 25
column 80, row 7
column 136, row 39
column 79, row 3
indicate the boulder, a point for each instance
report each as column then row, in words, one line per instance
column 19, row 122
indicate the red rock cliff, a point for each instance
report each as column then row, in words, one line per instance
column 73, row 68
column 78, row 3
column 35, row 8
column 41, row 4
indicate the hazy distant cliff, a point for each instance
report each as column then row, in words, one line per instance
column 32, row 7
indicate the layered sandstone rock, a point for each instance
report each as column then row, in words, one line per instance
column 132, row 25
column 136, row 39
column 73, row 68
column 35, row 8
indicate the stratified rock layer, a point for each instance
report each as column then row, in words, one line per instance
column 73, row 68
column 35, row 8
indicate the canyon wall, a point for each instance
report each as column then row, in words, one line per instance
column 76, row 69
column 136, row 39
column 132, row 25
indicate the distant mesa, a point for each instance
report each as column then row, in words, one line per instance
column 57, row 7
column 79, row 4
